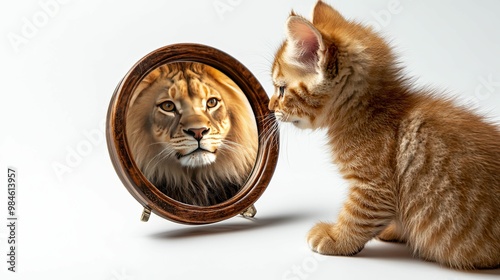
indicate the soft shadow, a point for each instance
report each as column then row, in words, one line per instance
column 385, row 250
column 492, row 271
column 485, row 272
column 399, row 251
column 236, row 224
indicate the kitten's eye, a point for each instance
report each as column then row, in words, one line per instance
column 167, row 106
column 212, row 102
column 281, row 91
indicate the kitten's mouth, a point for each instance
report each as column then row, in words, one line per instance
column 299, row 123
column 282, row 118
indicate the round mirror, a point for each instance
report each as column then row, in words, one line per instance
column 190, row 135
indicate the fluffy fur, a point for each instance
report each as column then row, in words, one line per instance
column 422, row 170
column 192, row 133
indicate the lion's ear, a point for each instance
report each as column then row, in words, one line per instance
column 222, row 80
column 142, row 86
column 153, row 75
column 147, row 81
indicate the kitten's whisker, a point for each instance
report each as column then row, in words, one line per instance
column 271, row 128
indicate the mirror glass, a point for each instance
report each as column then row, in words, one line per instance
column 192, row 133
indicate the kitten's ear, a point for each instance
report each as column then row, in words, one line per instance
column 305, row 43
column 324, row 14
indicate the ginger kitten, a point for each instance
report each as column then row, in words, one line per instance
column 421, row 169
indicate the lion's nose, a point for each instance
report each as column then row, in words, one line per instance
column 197, row 133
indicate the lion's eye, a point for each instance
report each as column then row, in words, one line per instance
column 212, row 102
column 167, row 106
column 281, row 91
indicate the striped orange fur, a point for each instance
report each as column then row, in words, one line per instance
column 422, row 170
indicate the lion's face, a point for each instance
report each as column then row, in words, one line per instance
column 190, row 119
column 192, row 132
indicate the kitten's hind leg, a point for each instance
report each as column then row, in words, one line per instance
column 364, row 215
column 249, row 212
column 392, row 233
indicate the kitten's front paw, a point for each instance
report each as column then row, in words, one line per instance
column 324, row 239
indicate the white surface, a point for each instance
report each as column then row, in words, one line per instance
column 83, row 224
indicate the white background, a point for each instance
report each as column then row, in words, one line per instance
column 58, row 76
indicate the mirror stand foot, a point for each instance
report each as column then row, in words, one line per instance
column 146, row 213
column 249, row 212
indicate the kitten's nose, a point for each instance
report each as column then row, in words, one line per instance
column 197, row 133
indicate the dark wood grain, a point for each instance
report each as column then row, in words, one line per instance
column 146, row 193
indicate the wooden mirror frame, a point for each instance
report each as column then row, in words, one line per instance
column 150, row 197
